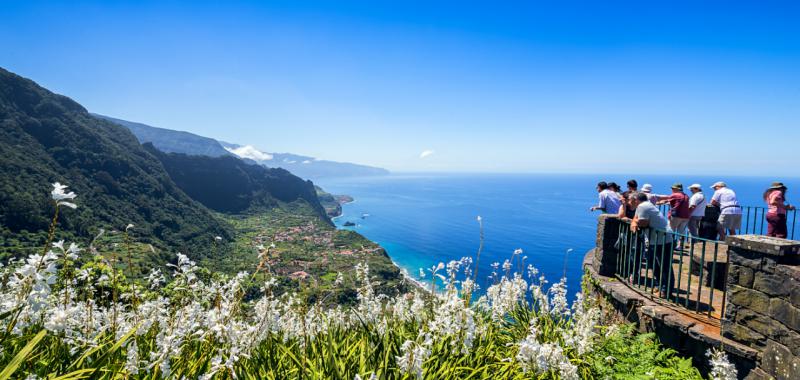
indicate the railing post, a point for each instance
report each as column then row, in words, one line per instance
column 605, row 253
column 763, row 302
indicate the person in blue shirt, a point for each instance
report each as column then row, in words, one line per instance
column 609, row 201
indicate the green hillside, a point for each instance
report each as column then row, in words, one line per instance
column 46, row 137
column 230, row 185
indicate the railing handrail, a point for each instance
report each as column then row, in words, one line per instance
column 753, row 219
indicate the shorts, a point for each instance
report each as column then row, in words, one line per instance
column 679, row 225
column 730, row 221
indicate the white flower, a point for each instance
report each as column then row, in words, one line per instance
column 413, row 358
column 504, row 296
column 721, row 368
column 73, row 251
column 540, row 358
column 558, row 298
column 129, row 226
column 339, row 279
column 60, row 196
column 132, row 359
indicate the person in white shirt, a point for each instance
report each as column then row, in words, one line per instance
column 697, row 206
column 730, row 212
column 609, row 201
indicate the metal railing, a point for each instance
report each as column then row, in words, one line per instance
column 678, row 268
column 754, row 219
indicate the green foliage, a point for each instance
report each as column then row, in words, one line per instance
column 230, row 185
column 46, row 138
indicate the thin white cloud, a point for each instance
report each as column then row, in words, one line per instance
column 248, row 151
column 426, row 153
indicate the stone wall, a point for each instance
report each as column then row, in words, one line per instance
column 605, row 254
column 763, row 303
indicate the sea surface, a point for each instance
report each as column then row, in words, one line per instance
column 424, row 219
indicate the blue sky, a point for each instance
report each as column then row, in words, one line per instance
column 513, row 87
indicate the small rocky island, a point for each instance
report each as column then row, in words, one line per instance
column 349, row 224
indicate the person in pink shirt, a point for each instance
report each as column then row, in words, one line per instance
column 775, row 197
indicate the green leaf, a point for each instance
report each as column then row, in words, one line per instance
column 21, row 356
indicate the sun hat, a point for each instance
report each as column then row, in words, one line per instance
column 696, row 186
column 677, row 186
column 718, row 184
column 777, row 185
column 646, row 188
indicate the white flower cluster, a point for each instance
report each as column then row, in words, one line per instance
column 85, row 305
column 540, row 358
column 721, row 368
column 413, row 358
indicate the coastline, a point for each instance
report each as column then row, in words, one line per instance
column 403, row 271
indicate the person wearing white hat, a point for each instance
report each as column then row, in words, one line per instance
column 648, row 189
column 730, row 212
column 697, row 206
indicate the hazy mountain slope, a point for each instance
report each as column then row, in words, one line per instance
column 230, row 185
column 45, row 137
column 304, row 166
column 167, row 140
column 170, row 141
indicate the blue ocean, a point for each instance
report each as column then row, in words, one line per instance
column 424, row 219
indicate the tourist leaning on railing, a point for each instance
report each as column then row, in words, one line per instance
column 628, row 209
column 776, row 215
column 697, row 207
column 609, row 201
column 730, row 216
column 679, row 208
column 648, row 189
column 658, row 242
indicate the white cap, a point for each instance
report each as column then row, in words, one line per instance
column 646, row 188
column 719, row 184
column 696, row 186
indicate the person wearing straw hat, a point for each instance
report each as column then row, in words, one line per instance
column 775, row 197
column 730, row 212
column 697, row 207
column 679, row 208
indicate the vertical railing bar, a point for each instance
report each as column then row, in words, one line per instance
column 669, row 266
column 620, row 251
column 747, row 221
column 651, row 252
column 794, row 222
column 689, row 277
column 625, row 252
column 700, row 280
column 637, row 265
column 725, row 285
column 763, row 216
column 660, row 260
column 713, row 278
column 680, row 269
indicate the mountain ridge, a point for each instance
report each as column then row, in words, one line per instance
column 46, row 138
column 172, row 141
